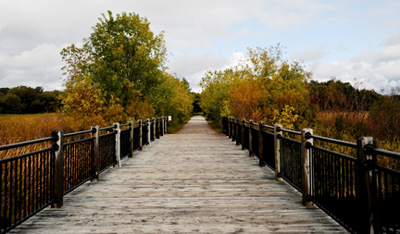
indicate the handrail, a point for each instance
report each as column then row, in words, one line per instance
column 58, row 164
column 24, row 143
column 387, row 153
column 339, row 142
column 328, row 178
column 289, row 131
column 78, row 133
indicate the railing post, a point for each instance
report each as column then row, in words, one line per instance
column 166, row 120
column 96, row 154
column 233, row 125
column 58, row 145
column 229, row 127
column 162, row 127
column 261, row 145
column 250, row 139
column 154, row 122
column 237, row 132
column 131, row 146
column 140, row 135
column 117, row 145
column 306, row 143
column 277, row 140
column 242, row 133
column 367, row 185
column 148, row 132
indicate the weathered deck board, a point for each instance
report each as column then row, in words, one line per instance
column 195, row 181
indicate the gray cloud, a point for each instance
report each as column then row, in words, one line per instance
column 32, row 33
column 375, row 69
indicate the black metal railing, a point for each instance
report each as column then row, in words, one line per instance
column 291, row 166
column 136, row 138
column 145, row 133
column 357, row 184
column 387, row 176
column 268, row 144
column 107, row 150
column 36, row 174
column 78, row 161
column 26, row 185
column 245, row 141
column 255, row 142
column 124, row 142
column 152, row 134
column 334, row 184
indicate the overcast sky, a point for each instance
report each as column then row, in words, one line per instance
column 349, row 40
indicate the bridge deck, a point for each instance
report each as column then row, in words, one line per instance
column 194, row 181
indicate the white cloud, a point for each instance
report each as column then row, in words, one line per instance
column 37, row 67
column 375, row 69
column 310, row 54
column 204, row 35
column 193, row 67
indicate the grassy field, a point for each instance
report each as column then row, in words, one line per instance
column 17, row 128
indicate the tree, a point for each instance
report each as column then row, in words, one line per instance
column 119, row 62
column 23, row 100
column 172, row 97
column 119, row 73
column 126, row 55
column 262, row 87
column 11, row 104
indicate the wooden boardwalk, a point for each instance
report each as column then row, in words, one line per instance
column 193, row 181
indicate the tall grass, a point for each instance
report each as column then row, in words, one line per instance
column 349, row 126
column 18, row 128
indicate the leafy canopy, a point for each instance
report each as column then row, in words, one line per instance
column 119, row 72
column 262, row 87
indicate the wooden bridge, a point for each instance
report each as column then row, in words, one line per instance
column 193, row 181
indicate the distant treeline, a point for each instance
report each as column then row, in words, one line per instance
column 27, row 100
column 341, row 96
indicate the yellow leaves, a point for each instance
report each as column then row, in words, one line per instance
column 286, row 117
column 246, row 98
column 264, row 87
column 139, row 109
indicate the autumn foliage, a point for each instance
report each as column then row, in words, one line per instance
column 119, row 73
column 264, row 87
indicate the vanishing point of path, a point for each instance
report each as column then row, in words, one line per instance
column 192, row 181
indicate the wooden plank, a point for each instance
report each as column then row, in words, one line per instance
column 193, row 181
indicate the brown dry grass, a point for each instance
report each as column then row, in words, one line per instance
column 19, row 128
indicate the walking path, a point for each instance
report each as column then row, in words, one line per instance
column 194, row 181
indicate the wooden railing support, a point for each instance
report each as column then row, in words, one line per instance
column 140, row 135
column 58, row 145
column 237, row 132
column 368, row 185
column 242, row 133
column 117, row 129
column 306, row 143
column 277, row 141
column 228, row 119
column 131, row 132
column 96, row 155
column 234, row 132
column 148, row 132
column 250, row 138
column 163, row 126
column 261, row 145
column 154, row 123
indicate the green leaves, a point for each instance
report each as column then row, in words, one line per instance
column 120, row 73
column 264, row 87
